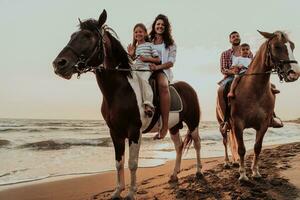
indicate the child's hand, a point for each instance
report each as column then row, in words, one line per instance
column 130, row 50
column 236, row 70
column 143, row 59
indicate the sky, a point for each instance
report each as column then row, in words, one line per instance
column 33, row 32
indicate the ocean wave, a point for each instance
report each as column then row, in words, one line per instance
column 51, row 129
column 66, row 143
column 4, row 143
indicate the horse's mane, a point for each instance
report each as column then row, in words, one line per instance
column 119, row 51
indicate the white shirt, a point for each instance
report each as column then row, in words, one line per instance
column 166, row 55
column 244, row 61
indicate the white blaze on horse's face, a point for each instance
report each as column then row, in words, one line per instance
column 294, row 66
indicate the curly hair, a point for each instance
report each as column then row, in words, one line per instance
column 167, row 36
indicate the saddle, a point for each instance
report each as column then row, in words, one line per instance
column 175, row 104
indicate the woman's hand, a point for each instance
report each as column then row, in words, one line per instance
column 153, row 67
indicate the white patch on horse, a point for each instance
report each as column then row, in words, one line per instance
column 120, row 178
column 295, row 66
column 133, row 165
column 173, row 120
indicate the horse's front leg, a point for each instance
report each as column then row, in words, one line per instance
column 119, row 144
column 134, row 148
column 257, row 149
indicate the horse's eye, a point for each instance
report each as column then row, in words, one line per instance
column 88, row 35
column 277, row 47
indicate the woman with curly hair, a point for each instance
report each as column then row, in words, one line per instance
column 162, row 39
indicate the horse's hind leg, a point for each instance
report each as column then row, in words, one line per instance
column 220, row 117
column 226, row 160
column 178, row 147
column 119, row 145
column 197, row 146
column 257, row 149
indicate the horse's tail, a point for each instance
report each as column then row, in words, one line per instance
column 187, row 141
column 233, row 145
column 191, row 110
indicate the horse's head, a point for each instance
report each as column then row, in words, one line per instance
column 280, row 55
column 85, row 48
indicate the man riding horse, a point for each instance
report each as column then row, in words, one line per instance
column 228, row 71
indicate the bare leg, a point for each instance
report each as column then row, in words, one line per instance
column 233, row 86
column 178, row 147
column 197, row 146
column 119, row 145
column 164, row 94
column 257, row 149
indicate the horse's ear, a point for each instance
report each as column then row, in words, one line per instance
column 266, row 34
column 102, row 18
column 80, row 22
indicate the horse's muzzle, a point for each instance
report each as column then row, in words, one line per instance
column 292, row 76
column 62, row 68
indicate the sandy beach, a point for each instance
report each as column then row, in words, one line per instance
column 279, row 167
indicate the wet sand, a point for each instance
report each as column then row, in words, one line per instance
column 279, row 167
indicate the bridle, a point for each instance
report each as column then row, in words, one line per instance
column 277, row 64
column 82, row 65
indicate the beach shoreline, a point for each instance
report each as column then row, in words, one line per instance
column 281, row 181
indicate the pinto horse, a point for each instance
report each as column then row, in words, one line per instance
column 253, row 105
column 94, row 47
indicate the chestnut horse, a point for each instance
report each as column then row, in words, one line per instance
column 253, row 105
column 94, row 47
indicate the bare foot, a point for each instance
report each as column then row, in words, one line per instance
column 230, row 95
column 161, row 134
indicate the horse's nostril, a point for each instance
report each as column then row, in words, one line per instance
column 62, row 62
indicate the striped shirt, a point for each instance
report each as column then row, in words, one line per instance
column 146, row 50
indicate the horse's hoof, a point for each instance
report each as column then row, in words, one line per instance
column 243, row 178
column 129, row 197
column 173, row 179
column 235, row 165
column 226, row 166
column 116, row 195
column 199, row 175
column 256, row 175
